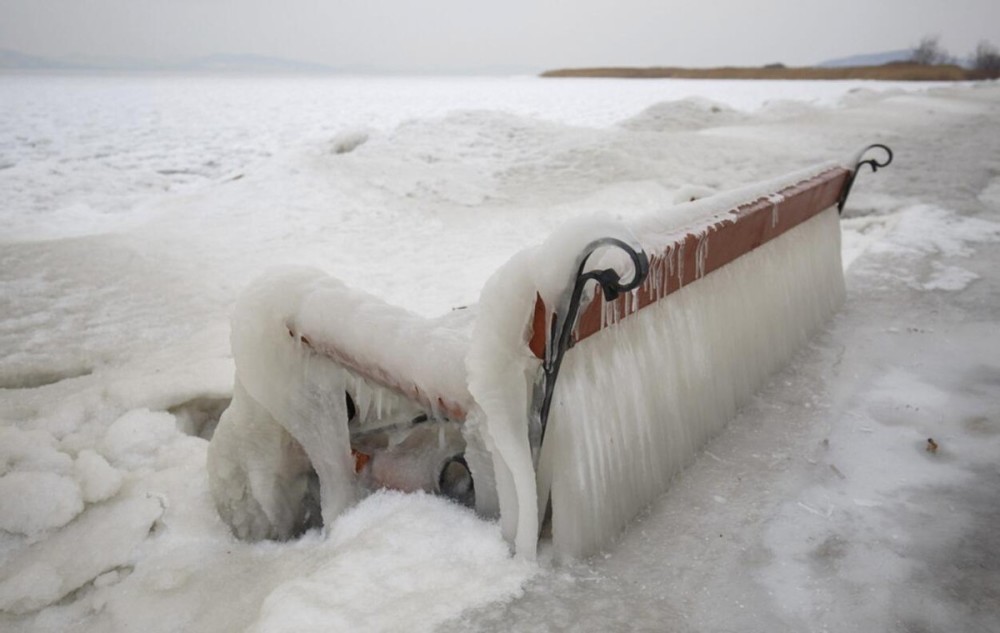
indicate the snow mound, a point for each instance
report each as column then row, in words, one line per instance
column 133, row 439
column 42, row 487
column 33, row 450
column 104, row 538
column 32, row 502
column 98, row 479
column 686, row 114
column 462, row 158
column 349, row 140
column 373, row 562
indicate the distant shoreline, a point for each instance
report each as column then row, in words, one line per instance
column 898, row 71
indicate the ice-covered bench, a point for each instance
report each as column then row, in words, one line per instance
column 673, row 321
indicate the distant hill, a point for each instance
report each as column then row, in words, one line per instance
column 234, row 63
column 14, row 60
column 254, row 63
column 871, row 59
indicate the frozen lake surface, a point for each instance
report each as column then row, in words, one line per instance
column 134, row 209
column 86, row 153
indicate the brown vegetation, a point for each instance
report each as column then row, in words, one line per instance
column 898, row 71
column 986, row 60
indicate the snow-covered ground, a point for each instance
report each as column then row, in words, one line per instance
column 133, row 210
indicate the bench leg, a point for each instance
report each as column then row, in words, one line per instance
column 259, row 475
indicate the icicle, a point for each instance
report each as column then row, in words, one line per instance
column 636, row 401
column 664, row 264
column 653, row 280
column 363, row 402
column 666, row 267
column 680, row 264
column 549, row 343
column 700, row 256
column 775, row 199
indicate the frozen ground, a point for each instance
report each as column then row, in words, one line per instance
column 133, row 212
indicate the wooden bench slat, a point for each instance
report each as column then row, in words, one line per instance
column 691, row 257
column 453, row 409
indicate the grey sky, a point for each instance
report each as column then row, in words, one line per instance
column 450, row 34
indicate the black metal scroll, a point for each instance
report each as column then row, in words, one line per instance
column 560, row 336
column 871, row 162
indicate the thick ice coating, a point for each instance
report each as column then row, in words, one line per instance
column 502, row 369
column 289, row 414
column 632, row 405
column 635, row 401
column 629, row 408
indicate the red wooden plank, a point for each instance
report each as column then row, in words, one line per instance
column 403, row 385
column 692, row 257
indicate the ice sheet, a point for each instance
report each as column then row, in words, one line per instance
column 133, row 313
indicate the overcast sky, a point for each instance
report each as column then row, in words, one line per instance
column 462, row 34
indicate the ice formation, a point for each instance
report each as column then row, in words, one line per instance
column 296, row 336
column 636, row 401
column 631, row 408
